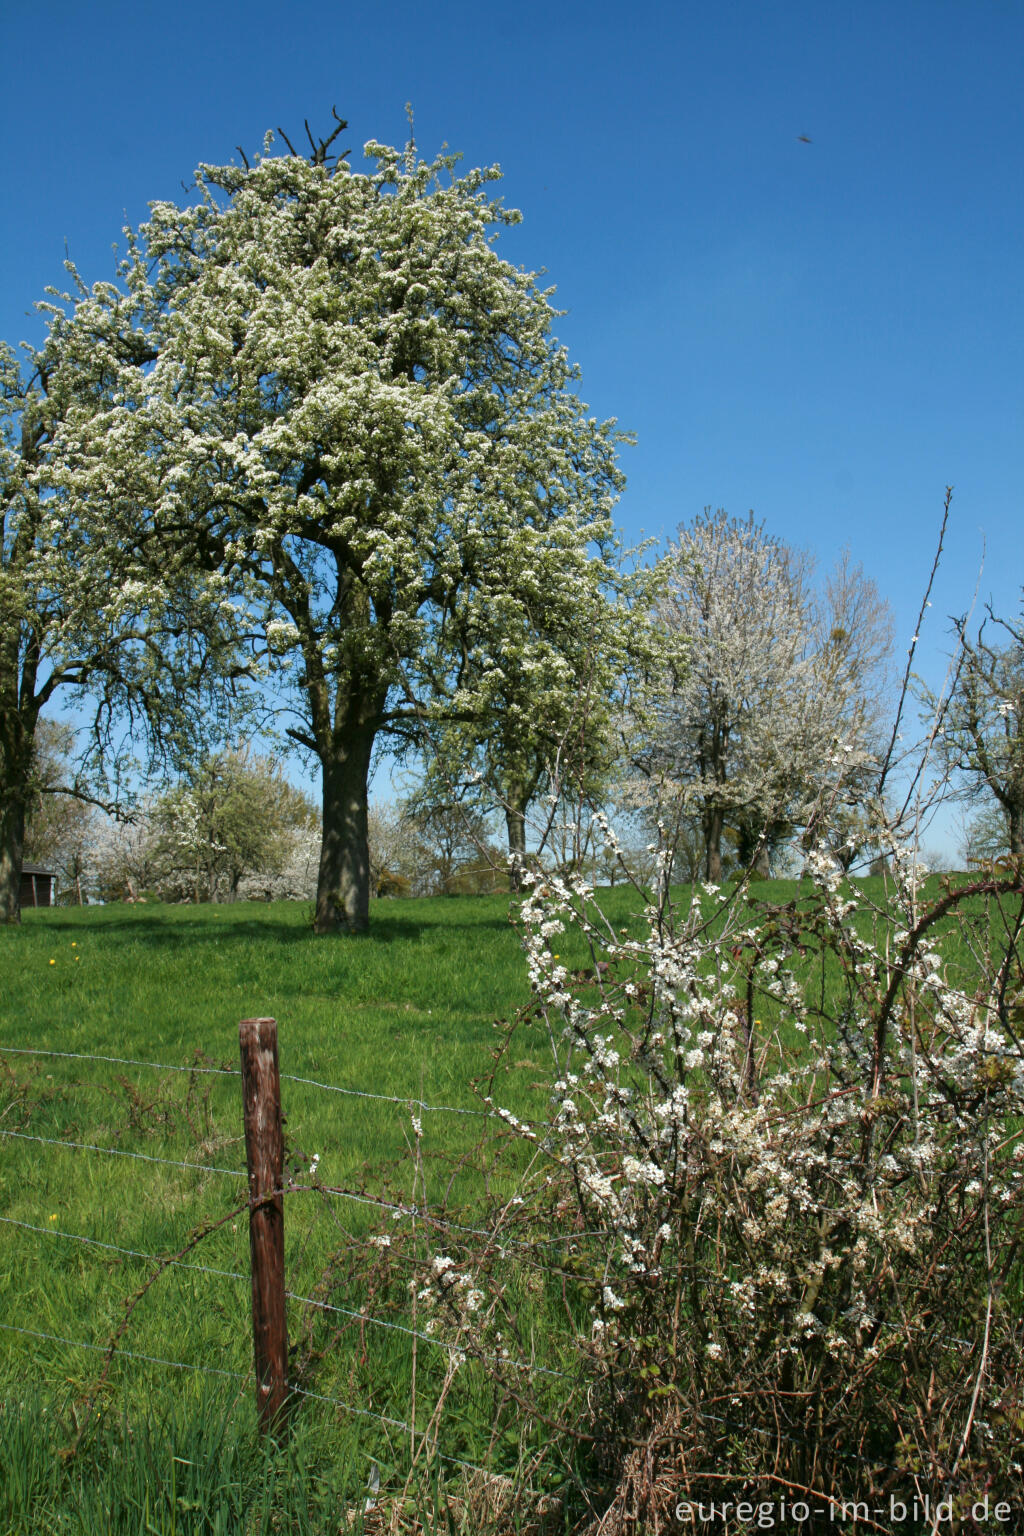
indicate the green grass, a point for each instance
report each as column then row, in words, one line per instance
column 408, row 1010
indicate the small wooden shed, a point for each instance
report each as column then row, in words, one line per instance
column 36, row 886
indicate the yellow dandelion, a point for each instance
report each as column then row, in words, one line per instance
column 53, row 962
column 74, row 943
column 54, row 1216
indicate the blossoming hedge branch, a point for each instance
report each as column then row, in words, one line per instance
column 785, row 1163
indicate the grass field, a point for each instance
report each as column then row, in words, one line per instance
column 407, row 1011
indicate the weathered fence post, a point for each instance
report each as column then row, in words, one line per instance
column 264, row 1156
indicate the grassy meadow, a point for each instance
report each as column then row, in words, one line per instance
column 408, row 1011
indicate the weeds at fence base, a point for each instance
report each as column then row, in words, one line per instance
column 202, row 1472
column 481, row 1505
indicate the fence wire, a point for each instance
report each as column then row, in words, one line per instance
column 296, row 1296
column 143, row 1157
column 243, row 1376
column 285, row 1077
column 396, row 1208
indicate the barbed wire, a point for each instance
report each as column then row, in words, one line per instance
column 420, row 1213
column 120, row 1061
column 390, row 1098
column 126, row 1354
column 296, row 1296
column 134, row 1253
column 286, row 1077
column 338, row 1193
column 214, row 1370
column 145, row 1157
column 428, row 1338
column 238, row 1173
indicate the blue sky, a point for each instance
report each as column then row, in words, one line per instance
column 828, row 333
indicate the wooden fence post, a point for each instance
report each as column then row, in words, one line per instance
column 264, row 1156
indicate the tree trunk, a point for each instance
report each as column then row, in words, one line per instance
column 1015, row 818
column 343, row 884
column 515, row 825
column 12, row 849
column 17, row 735
column 714, row 825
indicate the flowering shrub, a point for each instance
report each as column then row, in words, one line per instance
column 766, row 1242
column 786, row 1154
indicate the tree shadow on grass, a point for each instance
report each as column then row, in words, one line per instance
column 188, row 926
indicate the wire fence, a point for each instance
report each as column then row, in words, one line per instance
column 286, row 1077
column 241, row 1376
column 406, row 1330
column 437, row 1222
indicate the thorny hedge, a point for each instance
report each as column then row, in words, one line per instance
column 785, row 1158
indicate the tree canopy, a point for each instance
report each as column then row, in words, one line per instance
column 981, row 732
column 95, row 604
column 772, row 718
column 358, row 420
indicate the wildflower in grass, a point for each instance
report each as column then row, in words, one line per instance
column 54, row 1216
column 53, row 962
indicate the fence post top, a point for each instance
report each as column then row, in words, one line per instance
column 260, row 1032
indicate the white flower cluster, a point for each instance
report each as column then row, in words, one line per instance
column 797, row 1147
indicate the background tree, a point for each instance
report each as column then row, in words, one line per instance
column 95, row 600
column 234, row 817
column 392, row 863
column 775, row 713
column 233, row 828
column 982, row 731
column 534, row 707
column 126, row 863
column 984, row 838
column 360, row 415
column 446, row 836
column 60, row 826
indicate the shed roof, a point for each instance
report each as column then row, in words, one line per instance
column 37, row 869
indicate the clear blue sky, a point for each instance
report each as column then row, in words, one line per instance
column 826, row 332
